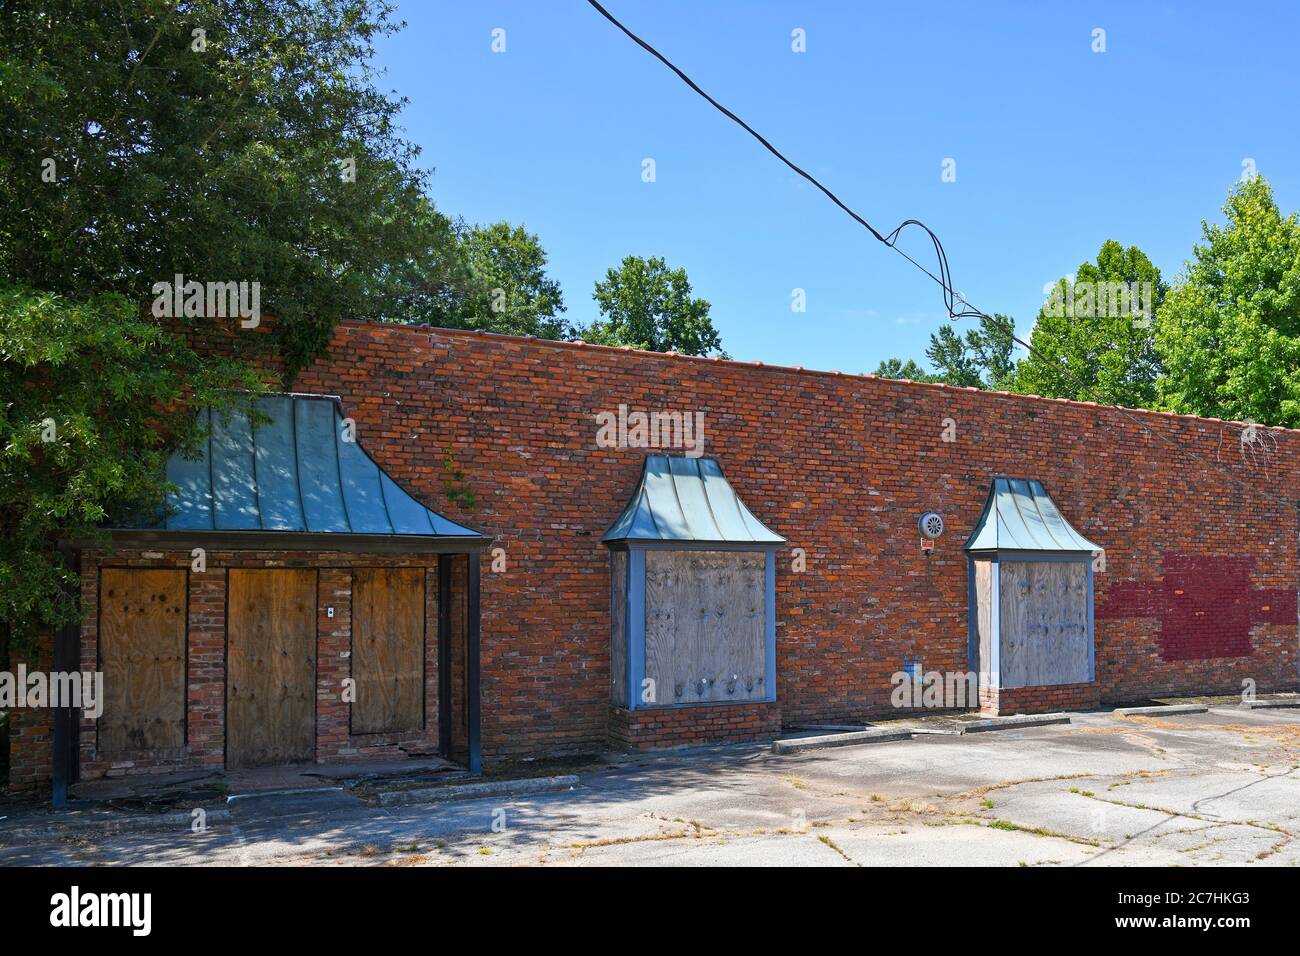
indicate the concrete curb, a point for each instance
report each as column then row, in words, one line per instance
column 288, row 791
column 831, row 728
column 1012, row 721
column 1268, row 704
column 475, row 791
column 132, row 823
column 1163, row 709
column 798, row 745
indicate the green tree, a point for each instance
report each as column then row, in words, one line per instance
column 647, row 305
column 1229, row 332
column 1099, row 328
column 979, row 359
column 897, row 368
column 508, row 289
column 222, row 140
column 93, row 398
column 954, row 359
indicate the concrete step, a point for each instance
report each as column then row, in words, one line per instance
column 1162, row 709
column 1009, row 721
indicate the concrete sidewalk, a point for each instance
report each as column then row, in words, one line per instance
column 1181, row 789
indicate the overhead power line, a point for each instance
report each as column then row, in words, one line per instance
column 944, row 277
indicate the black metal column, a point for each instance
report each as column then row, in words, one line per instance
column 444, row 655
column 472, row 664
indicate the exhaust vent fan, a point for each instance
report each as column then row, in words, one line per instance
column 931, row 525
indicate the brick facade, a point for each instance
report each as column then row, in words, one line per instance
column 31, row 734
column 688, row 726
column 842, row 466
column 1047, row 699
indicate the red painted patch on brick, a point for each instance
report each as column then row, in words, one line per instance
column 1205, row 604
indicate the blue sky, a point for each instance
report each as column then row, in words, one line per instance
column 1057, row 148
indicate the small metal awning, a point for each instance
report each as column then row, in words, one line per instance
column 687, row 499
column 1020, row 516
column 295, row 474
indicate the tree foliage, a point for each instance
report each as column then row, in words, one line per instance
column 981, row 358
column 507, row 288
column 133, row 148
column 92, row 400
column 1095, row 338
column 645, row 304
column 1229, row 332
column 897, row 368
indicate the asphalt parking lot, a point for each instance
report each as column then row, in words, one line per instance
column 1216, row 788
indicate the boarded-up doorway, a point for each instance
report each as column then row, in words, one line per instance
column 271, row 653
column 388, row 649
column 142, row 656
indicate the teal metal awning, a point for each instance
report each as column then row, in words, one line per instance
column 687, row 499
column 1020, row 516
column 295, row 473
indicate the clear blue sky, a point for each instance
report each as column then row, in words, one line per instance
column 1057, row 148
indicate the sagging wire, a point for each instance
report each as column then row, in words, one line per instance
column 951, row 297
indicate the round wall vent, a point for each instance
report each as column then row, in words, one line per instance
column 931, row 525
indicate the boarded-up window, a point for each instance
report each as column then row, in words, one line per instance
column 142, row 655
column 1044, row 623
column 705, row 626
column 388, row 649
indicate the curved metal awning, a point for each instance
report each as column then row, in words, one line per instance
column 1019, row 515
column 687, row 499
column 296, row 473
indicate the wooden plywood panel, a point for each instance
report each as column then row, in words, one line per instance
column 665, row 581
column 618, row 627
column 1044, row 625
column 271, row 667
column 388, row 649
column 983, row 599
column 142, row 655
column 705, row 626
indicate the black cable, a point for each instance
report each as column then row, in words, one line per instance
column 944, row 280
column 950, row 296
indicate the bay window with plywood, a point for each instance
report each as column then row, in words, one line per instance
column 1031, row 592
column 692, row 592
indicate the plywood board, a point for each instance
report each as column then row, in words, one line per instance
column 142, row 655
column 705, row 626
column 271, row 667
column 983, row 598
column 388, row 649
column 1044, row 623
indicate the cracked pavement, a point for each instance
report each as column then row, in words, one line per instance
column 1219, row 788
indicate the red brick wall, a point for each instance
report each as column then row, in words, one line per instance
column 1047, row 699
column 685, row 726
column 842, row 466
column 31, row 734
